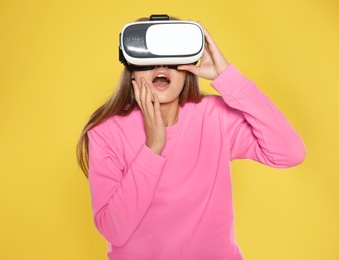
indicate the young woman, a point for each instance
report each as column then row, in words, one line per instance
column 158, row 156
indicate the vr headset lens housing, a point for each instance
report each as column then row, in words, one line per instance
column 145, row 45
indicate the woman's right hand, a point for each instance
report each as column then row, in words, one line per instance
column 212, row 62
column 150, row 106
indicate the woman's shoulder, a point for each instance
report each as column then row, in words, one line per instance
column 212, row 99
column 116, row 123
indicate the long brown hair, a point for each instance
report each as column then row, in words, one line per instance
column 122, row 103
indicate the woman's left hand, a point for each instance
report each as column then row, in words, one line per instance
column 212, row 62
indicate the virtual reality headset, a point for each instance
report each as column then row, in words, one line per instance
column 160, row 41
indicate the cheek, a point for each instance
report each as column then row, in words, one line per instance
column 137, row 75
column 180, row 79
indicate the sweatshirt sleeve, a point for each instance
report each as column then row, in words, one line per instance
column 120, row 196
column 261, row 132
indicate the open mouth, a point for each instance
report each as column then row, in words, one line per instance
column 161, row 80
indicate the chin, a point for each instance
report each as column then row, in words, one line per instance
column 164, row 100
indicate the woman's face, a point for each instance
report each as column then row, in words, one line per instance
column 166, row 83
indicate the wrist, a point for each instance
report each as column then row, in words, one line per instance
column 157, row 149
column 222, row 67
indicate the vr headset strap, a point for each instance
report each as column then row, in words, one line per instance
column 159, row 17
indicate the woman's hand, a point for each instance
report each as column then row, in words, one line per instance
column 153, row 123
column 212, row 62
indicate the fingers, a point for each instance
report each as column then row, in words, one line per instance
column 206, row 60
column 140, row 93
column 208, row 38
column 214, row 54
column 157, row 111
column 191, row 68
column 148, row 100
column 150, row 107
column 136, row 92
column 143, row 96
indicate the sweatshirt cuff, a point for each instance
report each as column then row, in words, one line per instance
column 149, row 162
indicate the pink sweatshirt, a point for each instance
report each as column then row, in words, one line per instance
column 178, row 206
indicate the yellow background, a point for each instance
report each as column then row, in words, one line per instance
column 59, row 61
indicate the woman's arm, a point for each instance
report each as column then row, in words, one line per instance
column 120, row 196
column 261, row 132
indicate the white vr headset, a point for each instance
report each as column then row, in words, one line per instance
column 160, row 41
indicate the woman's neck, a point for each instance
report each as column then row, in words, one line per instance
column 170, row 113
